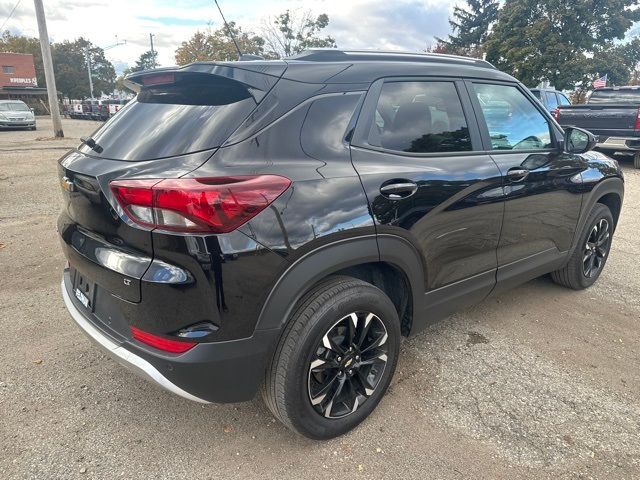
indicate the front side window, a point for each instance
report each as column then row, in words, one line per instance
column 514, row 123
column 420, row 117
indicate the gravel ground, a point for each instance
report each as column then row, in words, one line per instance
column 541, row 382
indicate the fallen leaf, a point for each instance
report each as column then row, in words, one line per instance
column 227, row 429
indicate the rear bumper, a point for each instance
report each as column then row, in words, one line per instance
column 223, row 372
column 620, row 144
column 120, row 354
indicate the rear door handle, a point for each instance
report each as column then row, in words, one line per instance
column 399, row 190
column 517, row 174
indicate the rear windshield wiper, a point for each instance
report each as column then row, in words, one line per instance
column 91, row 143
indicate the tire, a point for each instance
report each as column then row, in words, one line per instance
column 636, row 160
column 576, row 274
column 317, row 318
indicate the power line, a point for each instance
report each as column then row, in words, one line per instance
column 10, row 15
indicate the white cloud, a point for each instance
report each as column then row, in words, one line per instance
column 377, row 24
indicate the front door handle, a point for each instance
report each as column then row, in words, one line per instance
column 399, row 190
column 517, row 174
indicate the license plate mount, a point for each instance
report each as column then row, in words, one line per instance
column 84, row 290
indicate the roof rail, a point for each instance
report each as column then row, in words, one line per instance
column 336, row 55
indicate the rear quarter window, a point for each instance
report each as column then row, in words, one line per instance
column 326, row 125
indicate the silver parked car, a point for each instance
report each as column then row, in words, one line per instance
column 16, row 114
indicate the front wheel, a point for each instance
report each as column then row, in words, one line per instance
column 590, row 256
column 335, row 359
column 636, row 160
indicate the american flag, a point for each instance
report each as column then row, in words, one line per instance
column 601, row 82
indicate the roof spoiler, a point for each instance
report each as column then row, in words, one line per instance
column 258, row 76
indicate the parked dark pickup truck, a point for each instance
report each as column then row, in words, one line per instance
column 613, row 115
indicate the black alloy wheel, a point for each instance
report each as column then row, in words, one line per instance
column 335, row 359
column 590, row 255
column 348, row 364
column 596, row 248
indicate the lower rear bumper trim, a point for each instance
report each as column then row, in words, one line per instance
column 619, row 144
column 121, row 354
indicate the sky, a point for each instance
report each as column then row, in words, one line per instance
column 356, row 24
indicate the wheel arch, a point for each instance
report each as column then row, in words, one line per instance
column 398, row 274
column 610, row 192
column 613, row 201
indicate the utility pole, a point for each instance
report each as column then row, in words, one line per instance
column 153, row 53
column 52, row 91
column 88, row 58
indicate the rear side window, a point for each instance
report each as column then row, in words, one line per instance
column 615, row 96
column 514, row 123
column 552, row 100
column 420, row 117
column 184, row 113
column 562, row 100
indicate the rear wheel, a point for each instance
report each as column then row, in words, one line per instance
column 636, row 160
column 335, row 359
column 590, row 256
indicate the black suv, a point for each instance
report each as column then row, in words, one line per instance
column 279, row 225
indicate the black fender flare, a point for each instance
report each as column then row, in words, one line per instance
column 306, row 271
column 602, row 188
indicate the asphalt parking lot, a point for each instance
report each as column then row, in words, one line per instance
column 541, row 382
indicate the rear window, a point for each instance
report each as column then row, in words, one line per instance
column 615, row 96
column 174, row 114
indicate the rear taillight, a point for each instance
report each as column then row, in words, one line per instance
column 158, row 79
column 198, row 205
column 637, row 124
column 556, row 113
column 162, row 343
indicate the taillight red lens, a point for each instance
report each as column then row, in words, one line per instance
column 198, row 205
column 637, row 125
column 161, row 343
column 555, row 113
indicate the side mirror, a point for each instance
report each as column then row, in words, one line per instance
column 578, row 140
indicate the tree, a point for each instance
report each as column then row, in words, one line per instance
column 559, row 40
column 20, row 44
column 439, row 47
column 290, row 33
column 470, row 27
column 217, row 45
column 146, row 61
column 70, row 67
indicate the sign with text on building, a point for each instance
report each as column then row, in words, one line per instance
column 33, row 82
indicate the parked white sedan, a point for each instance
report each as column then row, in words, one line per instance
column 16, row 114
